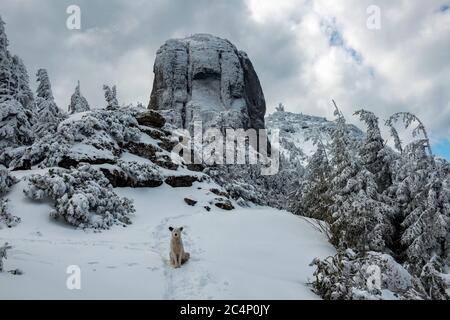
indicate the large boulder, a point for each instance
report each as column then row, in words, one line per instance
column 206, row 78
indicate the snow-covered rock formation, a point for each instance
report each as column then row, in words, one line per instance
column 206, row 78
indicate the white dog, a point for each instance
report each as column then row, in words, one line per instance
column 177, row 254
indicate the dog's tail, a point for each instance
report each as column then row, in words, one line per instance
column 186, row 257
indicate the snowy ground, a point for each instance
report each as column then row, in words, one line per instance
column 247, row 253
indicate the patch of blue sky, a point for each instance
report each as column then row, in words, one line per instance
column 335, row 39
column 444, row 8
column 442, row 149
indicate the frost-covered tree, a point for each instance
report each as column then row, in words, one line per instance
column 433, row 279
column 78, row 103
column 423, row 195
column 313, row 198
column 15, row 126
column 350, row 275
column 359, row 218
column 408, row 120
column 280, row 107
column 374, row 155
column 427, row 221
column 83, row 197
column 6, row 80
column 111, row 97
column 48, row 113
column 22, row 92
column 6, row 181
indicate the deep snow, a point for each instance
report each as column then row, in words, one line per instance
column 247, row 253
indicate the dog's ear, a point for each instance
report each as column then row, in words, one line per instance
column 171, row 228
column 181, row 229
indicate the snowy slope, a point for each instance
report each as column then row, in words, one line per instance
column 296, row 129
column 247, row 253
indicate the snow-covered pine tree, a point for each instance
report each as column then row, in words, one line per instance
column 280, row 107
column 6, row 181
column 359, row 218
column 111, row 97
column 23, row 93
column 433, row 279
column 427, row 217
column 15, row 127
column 374, row 155
column 78, row 102
column 6, row 82
column 423, row 194
column 313, row 198
column 48, row 113
column 408, row 119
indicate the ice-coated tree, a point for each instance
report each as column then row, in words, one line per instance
column 359, row 219
column 374, row 155
column 433, row 279
column 78, row 102
column 44, row 90
column 280, row 107
column 15, row 126
column 427, row 217
column 22, row 92
column 6, row 181
column 111, row 97
column 408, row 120
column 313, row 198
column 6, row 82
column 48, row 113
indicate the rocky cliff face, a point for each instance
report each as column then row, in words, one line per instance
column 206, row 78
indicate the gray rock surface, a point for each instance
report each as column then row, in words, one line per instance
column 206, row 78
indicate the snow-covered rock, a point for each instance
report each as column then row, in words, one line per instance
column 206, row 78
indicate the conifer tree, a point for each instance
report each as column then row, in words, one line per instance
column 111, row 97
column 78, row 103
column 48, row 113
column 15, row 126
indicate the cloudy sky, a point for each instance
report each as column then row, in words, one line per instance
column 305, row 52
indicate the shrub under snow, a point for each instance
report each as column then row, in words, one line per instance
column 349, row 275
column 103, row 130
column 83, row 197
column 6, row 218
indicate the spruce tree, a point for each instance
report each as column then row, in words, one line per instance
column 48, row 113
column 6, row 82
column 374, row 155
column 359, row 219
column 313, row 199
column 111, row 97
column 23, row 93
column 78, row 103
column 15, row 126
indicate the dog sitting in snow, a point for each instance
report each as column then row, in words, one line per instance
column 177, row 254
